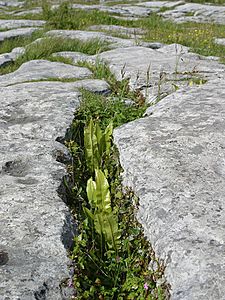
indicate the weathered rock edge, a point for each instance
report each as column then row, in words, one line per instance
column 174, row 161
column 35, row 224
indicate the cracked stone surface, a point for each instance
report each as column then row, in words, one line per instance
column 124, row 10
column 75, row 56
column 11, row 24
column 7, row 58
column 36, row 226
column 174, row 160
column 114, row 42
column 14, row 33
column 44, row 69
column 31, row 119
column 161, row 4
column 165, row 65
column 131, row 32
column 33, row 11
column 220, row 41
column 194, row 12
column 4, row 4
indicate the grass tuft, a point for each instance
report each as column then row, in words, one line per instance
column 44, row 48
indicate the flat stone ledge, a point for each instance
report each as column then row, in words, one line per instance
column 44, row 69
column 11, row 24
column 33, row 219
column 7, row 58
column 15, row 33
column 174, row 160
column 194, row 12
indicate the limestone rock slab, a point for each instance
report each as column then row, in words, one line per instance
column 7, row 58
column 174, row 160
column 220, row 41
column 15, row 33
column 131, row 32
column 43, row 69
column 159, row 68
column 114, row 42
column 194, row 12
column 123, row 10
column 92, row 85
column 11, row 3
column 34, row 221
column 11, row 24
column 34, row 11
column 75, row 56
column 90, row 35
column 161, row 4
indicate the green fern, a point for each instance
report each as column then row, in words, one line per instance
column 97, row 145
column 105, row 221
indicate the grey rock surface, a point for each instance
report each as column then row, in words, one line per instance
column 129, row 31
column 114, row 42
column 35, row 225
column 34, row 11
column 11, row 3
column 161, row 4
column 92, row 85
column 159, row 69
column 90, row 35
column 43, row 69
column 220, row 41
column 14, row 33
column 33, row 217
column 174, row 160
column 11, row 24
column 194, row 12
column 123, row 10
column 7, row 58
column 75, row 56
column 178, row 11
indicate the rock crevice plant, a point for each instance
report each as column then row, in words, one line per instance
column 111, row 256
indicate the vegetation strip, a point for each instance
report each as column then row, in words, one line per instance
column 45, row 47
column 111, row 256
column 199, row 37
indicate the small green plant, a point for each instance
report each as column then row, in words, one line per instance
column 97, row 145
column 9, row 44
column 101, row 215
column 111, row 256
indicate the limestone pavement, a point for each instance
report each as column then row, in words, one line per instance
column 173, row 158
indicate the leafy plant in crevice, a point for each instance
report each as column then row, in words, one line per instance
column 101, row 215
column 111, row 256
column 97, row 145
column 119, row 88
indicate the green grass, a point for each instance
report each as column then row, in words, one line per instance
column 66, row 18
column 47, row 46
column 199, row 37
column 100, row 272
column 49, row 79
column 9, row 44
column 120, row 89
column 108, row 109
